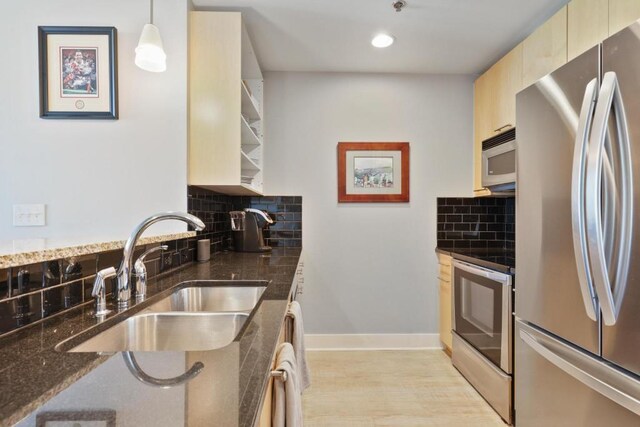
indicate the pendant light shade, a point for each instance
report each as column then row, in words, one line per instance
column 150, row 54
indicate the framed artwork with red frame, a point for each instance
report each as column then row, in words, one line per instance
column 373, row 172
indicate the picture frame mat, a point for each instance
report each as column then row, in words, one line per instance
column 397, row 172
column 54, row 71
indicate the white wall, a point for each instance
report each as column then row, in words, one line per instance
column 97, row 178
column 369, row 268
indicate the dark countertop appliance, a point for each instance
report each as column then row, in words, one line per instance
column 247, row 230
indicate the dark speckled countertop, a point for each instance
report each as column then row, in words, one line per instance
column 34, row 376
column 503, row 260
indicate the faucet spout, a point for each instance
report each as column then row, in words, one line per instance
column 124, row 272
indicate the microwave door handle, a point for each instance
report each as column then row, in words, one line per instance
column 610, row 301
column 578, row 197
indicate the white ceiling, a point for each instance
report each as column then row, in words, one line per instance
column 432, row 36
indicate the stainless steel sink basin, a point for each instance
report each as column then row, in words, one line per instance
column 237, row 298
column 167, row 332
column 207, row 298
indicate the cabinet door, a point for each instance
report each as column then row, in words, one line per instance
column 445, row 313
column 444, row 292
column 482, row 105
column 622, row 13
column 587, row 25
column 508, row 77
column 545, row 49
column 267, row 403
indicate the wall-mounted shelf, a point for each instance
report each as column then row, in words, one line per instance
column 249, row 164
column 248, row 136
column 250, row 107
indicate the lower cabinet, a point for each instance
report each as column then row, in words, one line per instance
column 444, row 292
column 298, row 283
column 265, row 414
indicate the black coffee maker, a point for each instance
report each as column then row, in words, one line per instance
column 246, row 227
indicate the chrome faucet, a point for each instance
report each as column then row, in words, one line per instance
column 123, row 274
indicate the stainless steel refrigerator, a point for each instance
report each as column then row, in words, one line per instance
column 577, row 303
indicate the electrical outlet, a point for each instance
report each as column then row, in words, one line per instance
column 29, row 215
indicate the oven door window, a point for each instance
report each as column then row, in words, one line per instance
column 478, row 313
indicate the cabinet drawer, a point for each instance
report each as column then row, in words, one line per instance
column 444, row 273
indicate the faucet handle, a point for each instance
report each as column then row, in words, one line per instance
column 99, row 290
column 140, row 271
column 150, row 251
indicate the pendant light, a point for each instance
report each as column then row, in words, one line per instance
column 150, row 54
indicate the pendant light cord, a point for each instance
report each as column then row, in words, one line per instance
column 151, row 12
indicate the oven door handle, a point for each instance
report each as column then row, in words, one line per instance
column 479, row 271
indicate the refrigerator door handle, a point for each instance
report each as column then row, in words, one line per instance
column 578, row 177
column 593, row 373
column 610, row 300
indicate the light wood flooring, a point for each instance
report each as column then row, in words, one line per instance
column 391, row 388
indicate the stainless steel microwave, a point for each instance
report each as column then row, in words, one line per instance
column 499, row 162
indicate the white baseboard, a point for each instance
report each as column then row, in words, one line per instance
column 372, row 341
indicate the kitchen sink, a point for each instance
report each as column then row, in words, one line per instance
column 172, row 331
column 197, row 315
column 214, row 296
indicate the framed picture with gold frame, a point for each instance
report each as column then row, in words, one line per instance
column 370, row 172
column 78, row 72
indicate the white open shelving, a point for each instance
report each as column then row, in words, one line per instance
column 248, row 136
column 225, row 154
column 250, row 106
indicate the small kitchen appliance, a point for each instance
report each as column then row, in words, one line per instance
column 247, row 229
column 499, row 162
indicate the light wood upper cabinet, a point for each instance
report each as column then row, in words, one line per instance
column 545, row 49
column 481, row 125
column 622, row 13
column 587, row 25
column 508, row 82
column 494, row 106
column 225, row 97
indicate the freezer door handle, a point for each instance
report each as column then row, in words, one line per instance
column 593, row 373
column 578, row 199
column 610, row 301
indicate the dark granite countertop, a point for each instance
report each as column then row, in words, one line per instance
column 33, row 373
column 503, row 260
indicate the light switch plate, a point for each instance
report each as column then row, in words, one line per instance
column 29, row 215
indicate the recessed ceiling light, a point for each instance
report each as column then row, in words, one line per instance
column 382, row 40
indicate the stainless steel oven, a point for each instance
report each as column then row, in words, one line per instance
column 499, row 162
column 482, row 332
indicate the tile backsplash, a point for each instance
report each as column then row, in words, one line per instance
column 214, row 208
column 32, row 292
column 482, row 222
column 29, row 293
